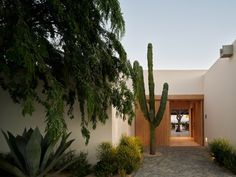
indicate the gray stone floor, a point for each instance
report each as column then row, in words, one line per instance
column 181, row 162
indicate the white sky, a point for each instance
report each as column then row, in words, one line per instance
column 186, row 34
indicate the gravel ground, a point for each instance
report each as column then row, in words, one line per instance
column 181, row 162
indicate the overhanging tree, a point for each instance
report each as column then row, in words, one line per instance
column 154, row 118
column 57, row 52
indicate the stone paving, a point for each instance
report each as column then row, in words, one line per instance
column 181, row 162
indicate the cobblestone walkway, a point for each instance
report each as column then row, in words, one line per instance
column 181, row 162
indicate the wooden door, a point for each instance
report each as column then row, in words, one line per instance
column 162, row 131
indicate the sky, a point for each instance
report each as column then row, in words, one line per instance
column 185, row 34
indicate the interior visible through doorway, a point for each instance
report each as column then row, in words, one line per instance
column 183, row 123
column 180, row 123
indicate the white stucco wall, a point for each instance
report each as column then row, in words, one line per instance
column 181, row 82
column 12, row 120
column 220, row 99
column 120, row 127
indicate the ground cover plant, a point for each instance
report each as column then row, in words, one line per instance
column 223, row 153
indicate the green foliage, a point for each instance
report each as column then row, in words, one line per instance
column 123, row 159
column 79, row 168
column 106, row 165
column 131, row 141
column 223, row 153
column 6, row 157
column 59, row 52
column 33, row 154
column 128, row 155
column 154, row 118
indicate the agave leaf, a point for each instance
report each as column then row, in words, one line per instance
column 19, row 159
column 46, row 141
column 33, row 152
column 64, row 167
column 21, row 143
column 45, row 157
column 58, row 155
column 52, row 164
column 61, row 147
column 4, row 165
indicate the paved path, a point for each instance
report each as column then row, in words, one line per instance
column 181, row 162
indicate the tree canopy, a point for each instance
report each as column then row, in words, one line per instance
column 57, row 52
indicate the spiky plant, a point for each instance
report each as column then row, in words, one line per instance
column 154, row 118
column 33, row 154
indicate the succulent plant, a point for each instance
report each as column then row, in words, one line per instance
column 151, row 115
column 33, row 154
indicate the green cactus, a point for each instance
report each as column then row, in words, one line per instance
column 149, row 112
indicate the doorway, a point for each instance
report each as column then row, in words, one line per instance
column 179, row 119
column 186, row 123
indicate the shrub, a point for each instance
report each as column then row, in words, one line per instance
column 106, row 165
column 79, row 168
column 128, row 159
column 219, row 149
column 125, row 158
column 223, row 153
column 128, row 155
column 131, row 141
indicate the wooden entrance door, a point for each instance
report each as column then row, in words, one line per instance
column 162, row 132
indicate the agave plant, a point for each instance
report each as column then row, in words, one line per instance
column 34, row 154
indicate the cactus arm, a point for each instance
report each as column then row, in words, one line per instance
column 162, row 107
column 151, row 83
column 134, row 76
column 142, row 95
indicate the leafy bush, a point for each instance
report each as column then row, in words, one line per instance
column 33, row 154
column 125, row 158
column 79, row 168
column 106, row 166
column 128, row 155
column 223, row 153
column 132, row 142
column 219, row 149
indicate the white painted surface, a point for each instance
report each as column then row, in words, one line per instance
column 120, row 127
column 220, row 100
column 181, row 82
column 13, row 121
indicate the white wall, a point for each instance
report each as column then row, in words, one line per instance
column 120, row 127
column 220, row 99
column 181, row 82
column 12, row 120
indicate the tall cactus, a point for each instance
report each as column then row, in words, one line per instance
column 149, row 112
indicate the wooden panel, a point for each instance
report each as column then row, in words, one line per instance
column 141, row 126
column 162, row 132
column 198, row 122
column 181, row 97
column 180, row 105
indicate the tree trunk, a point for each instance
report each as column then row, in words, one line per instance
column 152, row 140
column 178, row 127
